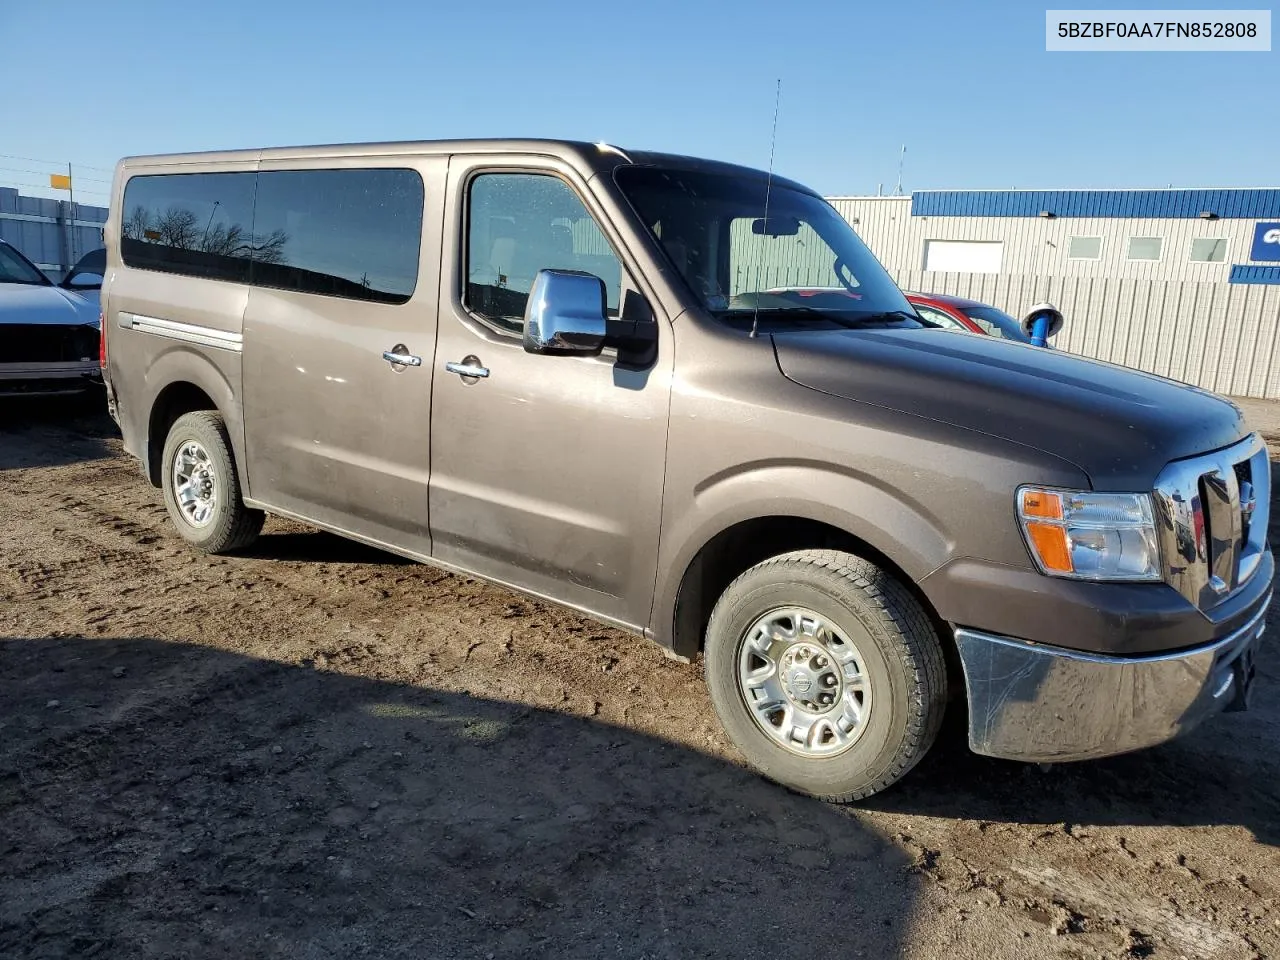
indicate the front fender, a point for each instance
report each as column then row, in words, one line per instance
column 891, row 523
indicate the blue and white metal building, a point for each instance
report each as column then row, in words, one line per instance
column 53, row 234
column 1200, row 235
column 1184, row 283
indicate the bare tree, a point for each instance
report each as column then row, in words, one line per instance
column 177, row 228
column 135, row 228
column 268, row 249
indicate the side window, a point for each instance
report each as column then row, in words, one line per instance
column 198, row 224
column 518, row 224
column 938, row 316
column 354, row 234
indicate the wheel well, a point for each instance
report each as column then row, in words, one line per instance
column 174, row 400
column 745, row 544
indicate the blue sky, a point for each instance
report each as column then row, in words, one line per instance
column 970, row 91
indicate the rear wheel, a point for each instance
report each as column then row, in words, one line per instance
column 201, row 488
column 826, row 673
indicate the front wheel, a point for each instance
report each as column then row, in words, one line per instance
column 826, row 673
column 201, row 488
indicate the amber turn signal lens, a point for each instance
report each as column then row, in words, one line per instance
column 1050, row 542
column 1042, row 504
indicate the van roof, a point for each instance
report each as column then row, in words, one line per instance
column 597, row 157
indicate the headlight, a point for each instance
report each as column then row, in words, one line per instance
column 1090, row 536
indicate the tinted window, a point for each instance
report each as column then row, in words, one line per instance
column 199, row 224
column 339, row 233
column 803, row 265
column 15, row 268
column 518, row 224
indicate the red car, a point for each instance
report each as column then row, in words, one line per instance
column 953, row 313
column 959, row 313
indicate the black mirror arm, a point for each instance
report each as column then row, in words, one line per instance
column 630, row 333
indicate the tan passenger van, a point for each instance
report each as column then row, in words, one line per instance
column 682, row 397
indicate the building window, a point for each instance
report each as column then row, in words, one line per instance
column 1208, row 250
column 1084, row 248
column 1145, row 248
column 963, row 256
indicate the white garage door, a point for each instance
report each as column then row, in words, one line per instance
column 963, row 256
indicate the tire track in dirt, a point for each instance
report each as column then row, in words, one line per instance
column 1110, row 859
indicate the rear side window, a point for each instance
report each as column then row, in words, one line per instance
column 339, row 233
column 199, row 224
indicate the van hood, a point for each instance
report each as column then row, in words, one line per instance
column 1120, row 426
column 28, row 303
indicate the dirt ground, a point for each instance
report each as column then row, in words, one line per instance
column 317, row 750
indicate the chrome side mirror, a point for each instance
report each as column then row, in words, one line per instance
column 565, row 313
column 1042, row 321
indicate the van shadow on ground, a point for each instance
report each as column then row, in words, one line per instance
column 66, row 429
column 167, row 800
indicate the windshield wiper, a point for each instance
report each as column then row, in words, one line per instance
column 887, row 315
column 799, row 310
column 838, row 317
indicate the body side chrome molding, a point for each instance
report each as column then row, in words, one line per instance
column 186, row 332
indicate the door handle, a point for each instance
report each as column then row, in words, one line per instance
column 470, row 367
column 400, row 355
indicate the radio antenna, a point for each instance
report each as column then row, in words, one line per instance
column 768, row 186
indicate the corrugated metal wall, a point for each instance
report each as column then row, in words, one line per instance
column 1214, row 335
column 43, row 230
column 1174, row 317
column 1033, row 245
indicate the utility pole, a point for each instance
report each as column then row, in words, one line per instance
column 71, row 191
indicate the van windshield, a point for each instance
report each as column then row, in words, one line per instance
column 804, row 264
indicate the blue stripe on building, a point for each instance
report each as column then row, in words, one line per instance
column 1244, row 273
column 1261, row 204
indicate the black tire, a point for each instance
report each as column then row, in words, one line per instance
column 901, row 656
column 232, row 525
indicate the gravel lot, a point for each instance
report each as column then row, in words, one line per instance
column 318, row 750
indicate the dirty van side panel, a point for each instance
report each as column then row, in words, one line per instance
column 336, row 433
column 547, row 473
column 173, row 304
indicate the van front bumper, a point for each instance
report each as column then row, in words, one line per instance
column 1045, row 704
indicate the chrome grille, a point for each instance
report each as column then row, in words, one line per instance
column 1211, row 515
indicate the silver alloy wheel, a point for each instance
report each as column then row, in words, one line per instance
column 804, row 682
column 195, row 484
